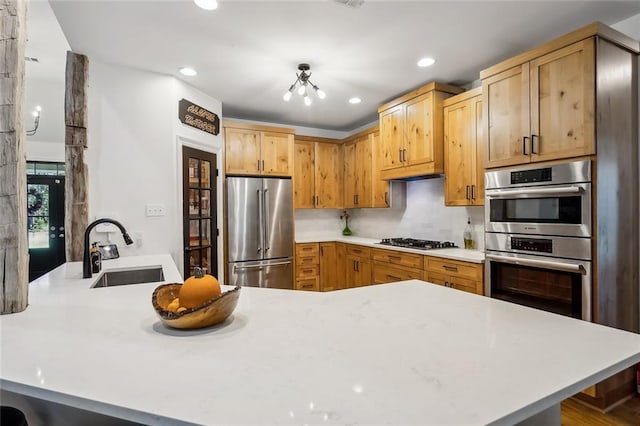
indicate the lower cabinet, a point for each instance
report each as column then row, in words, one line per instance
column 391, row 266
column 456, row 274
column 329, row 274
column 307, row 267
column 358, row 270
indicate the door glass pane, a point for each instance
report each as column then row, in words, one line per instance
column 38, row 215
column 194, row 260
column 206, row 232
column 31, row 168
column 194, row 233
column 61, row 169
column 194, row 203
column 47, row 169
column 194, row 172
column 206, row 260
column 206, row 174
column 205, row 203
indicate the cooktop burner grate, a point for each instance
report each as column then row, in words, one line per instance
column 417, row 244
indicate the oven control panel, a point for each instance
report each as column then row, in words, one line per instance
column 531, row 176
column 538, row 245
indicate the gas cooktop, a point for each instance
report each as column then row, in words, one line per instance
column 417, row 244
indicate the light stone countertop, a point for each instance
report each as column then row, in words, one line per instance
column 465, row 255
column 400, row 353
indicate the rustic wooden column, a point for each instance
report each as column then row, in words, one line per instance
column 14, row 249
column 75, row 110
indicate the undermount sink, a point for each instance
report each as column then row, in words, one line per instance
column 130, row 276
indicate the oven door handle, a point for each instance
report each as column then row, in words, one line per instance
column 500, row 193
column 558, row 266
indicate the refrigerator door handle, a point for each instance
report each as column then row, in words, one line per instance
column 262, row 266
column 260, row 220
column 267, row 220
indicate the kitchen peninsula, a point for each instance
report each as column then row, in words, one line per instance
column 400, row 353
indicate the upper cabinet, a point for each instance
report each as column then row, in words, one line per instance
column 411, row 132
column 463, row 150
column 542, row 109
column 363, row 185
column 318, row 170
column 258, row 150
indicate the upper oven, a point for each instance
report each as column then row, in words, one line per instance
column 550, row 200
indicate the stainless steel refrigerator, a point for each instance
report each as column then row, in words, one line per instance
column 260, row 232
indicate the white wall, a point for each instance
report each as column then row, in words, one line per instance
column 134, row 153
column 424, row 216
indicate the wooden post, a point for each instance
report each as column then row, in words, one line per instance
column 14, row 249
column 75, row 110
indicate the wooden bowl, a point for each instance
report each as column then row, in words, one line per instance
column 209, row 313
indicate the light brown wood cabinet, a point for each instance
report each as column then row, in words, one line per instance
column 318, row 174
column 542, row 109
column 330, row 277
column 391, row 266
column 363, row 185
column 307, row 267
column 411, row 132
column 465, row 276
column 258, row 150
column 358, row 266
column 463, row 149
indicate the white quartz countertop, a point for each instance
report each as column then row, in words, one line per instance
column 401, row 353
column 465, row 255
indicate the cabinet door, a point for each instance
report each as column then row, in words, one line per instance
column 563, row 103
column 351, row 274
column 364, row 170
column 436, row 278
column 506, row 96
column 380, row 188
column 350, row 175
column 277, row 154
column 328, row 175
column 459, row 148
column 419, row 130
column 392, row 137
column 303, row 175
column 363, row 272
column 328, row 267
column 477, row 193
column 242, row 151
column 341, row 276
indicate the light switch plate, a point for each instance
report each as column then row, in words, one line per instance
column 155, row 210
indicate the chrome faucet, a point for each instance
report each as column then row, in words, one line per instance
column 86, row 260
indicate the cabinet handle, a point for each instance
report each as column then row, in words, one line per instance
column 354, row 200
column 357, row 266
column 356, row 251
column 263, row 165
column 307, row 248
column 404, row 155
column 524, row 145
column 321, row 251
column 317, row 200
column 450, row 268
column 400, row 155
column 386, row 198
column 533, row 141
column 354, row 265
column 466, row 193
column 473, row 192
column 313, row 200
column 394, row 277
column 258, row 165
column 446, row 283
column 307, row 286
column 307, row 270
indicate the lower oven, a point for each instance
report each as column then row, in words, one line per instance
column 545, row 272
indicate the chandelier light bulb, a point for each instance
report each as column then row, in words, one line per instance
column 301, row 90
column 35, row 113
column 38, row 108
column 307, row 100
column 287, row 96
column 321, row 94
column 206, row 4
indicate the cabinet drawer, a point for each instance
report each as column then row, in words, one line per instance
column 359, row 251
column 306, row 260
column 464, row 284
column 398, row 258
column 453, row 267
column 309, row 284
column 386, row 273
column 307, row 249
column 307, row 271
column 437, row 278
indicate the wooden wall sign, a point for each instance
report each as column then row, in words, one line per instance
column 198, row 117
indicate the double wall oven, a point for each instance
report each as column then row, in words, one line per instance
column 538, row 237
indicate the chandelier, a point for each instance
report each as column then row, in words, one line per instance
column 36, row 121
column 303, row 81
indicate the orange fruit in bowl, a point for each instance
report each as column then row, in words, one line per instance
column 198, row 289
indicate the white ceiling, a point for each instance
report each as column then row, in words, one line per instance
column 246, row 52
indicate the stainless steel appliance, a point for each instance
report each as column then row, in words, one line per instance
column 260, row 232
column 546, row 272
column 547, row 200
column 538, row 237
column 417, row 244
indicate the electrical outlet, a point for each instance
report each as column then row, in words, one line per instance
column 155, row 210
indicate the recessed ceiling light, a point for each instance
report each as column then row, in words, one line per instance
column 426, row 62
column 189, row 72
column 355, row 100
column 207, row 4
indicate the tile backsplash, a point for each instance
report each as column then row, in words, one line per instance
column 423, row 216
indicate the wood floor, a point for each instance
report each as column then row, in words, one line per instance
column 577, row 414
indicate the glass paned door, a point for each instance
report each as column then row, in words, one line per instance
column 45, row 223
column 199, row 211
